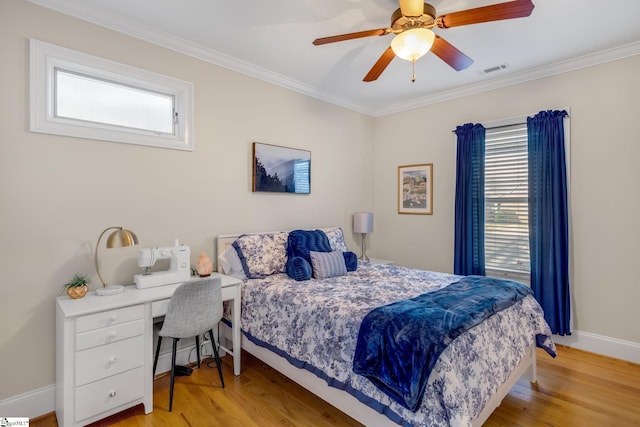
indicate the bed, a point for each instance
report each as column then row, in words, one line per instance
column 308, row 330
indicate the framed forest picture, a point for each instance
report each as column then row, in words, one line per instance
column 415, row 189
column 281, row 169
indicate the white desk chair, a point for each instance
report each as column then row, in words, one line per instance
column 195, row 308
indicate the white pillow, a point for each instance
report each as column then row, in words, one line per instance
column 327, row 264
column 230, row 263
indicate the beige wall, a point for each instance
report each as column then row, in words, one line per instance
column 604, row 102
column 58, row 193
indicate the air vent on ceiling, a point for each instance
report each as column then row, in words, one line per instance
column 496, row 68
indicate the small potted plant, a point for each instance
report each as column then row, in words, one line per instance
column 77, row 286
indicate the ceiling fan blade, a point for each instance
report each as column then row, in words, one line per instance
column 496, row 12
column 449, row 54
column 411, row 7
column 380, row 65
column 350, row 36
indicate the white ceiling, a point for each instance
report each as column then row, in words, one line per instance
column 271, row 40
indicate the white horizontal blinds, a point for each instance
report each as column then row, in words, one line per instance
column 506, row 199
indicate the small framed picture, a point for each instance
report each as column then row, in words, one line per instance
column 281, row 169
column 415, row 189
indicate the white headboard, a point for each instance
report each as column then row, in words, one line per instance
column 225, row 240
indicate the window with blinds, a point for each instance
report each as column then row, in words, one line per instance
column 506, row 201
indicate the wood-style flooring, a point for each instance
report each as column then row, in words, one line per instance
column 575, row 389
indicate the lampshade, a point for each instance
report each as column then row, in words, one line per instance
column 363, row 222
column 413, row 43
column 121, row 238
column 118, row 239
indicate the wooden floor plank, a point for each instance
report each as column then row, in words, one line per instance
column 575, row 389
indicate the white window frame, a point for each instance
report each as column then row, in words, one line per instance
column 45, row 58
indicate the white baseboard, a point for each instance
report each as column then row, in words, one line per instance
column 186, row 355
column 600, row 344
column 42, row 401
column 31, row 404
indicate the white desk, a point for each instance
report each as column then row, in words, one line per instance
column 104, row 350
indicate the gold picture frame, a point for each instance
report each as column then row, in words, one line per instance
column 415, row 189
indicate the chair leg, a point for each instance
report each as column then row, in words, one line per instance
column 155, row 360
column 217, row 356
column 173, row 371
column 198, row 348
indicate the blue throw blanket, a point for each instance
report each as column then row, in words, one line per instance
column 399, row 344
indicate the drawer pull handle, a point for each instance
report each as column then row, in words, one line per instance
column 113, row 334
column 113, row 359
column 113, row 318
column 112, row 393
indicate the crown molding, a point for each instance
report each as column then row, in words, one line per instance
column 573, row 64
column 197, row 51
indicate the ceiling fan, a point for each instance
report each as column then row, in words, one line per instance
column 412, row 24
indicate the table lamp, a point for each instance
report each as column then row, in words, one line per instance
column 363, row 224
column 118, row 239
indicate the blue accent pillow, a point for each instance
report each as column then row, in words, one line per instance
column 301, row 242
column 327, row 264
column 298, row 268
column 350, row 260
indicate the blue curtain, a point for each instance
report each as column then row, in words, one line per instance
column 548, row 218
column 469, row 215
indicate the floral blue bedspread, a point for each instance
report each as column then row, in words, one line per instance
column 315, row 323
column 399, row 343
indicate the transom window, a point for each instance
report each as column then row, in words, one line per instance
column 82, row 97
column 76, row 94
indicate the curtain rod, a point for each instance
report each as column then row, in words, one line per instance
column 502, row 126
column 513, row 124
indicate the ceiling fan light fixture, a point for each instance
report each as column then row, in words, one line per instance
column 412, row 44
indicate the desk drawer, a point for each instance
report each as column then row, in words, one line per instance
column 109, row 318
column 107, row 360
column 108, row 335
column 100, row 396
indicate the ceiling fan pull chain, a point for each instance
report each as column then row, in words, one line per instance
column 413, row 70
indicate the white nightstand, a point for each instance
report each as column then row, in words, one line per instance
column 379, row 261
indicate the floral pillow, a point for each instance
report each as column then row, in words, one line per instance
column 336, row 239
column 262, row 254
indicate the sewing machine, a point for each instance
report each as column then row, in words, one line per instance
column 179, row 265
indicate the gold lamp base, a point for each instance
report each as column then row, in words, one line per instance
column 118, row 239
